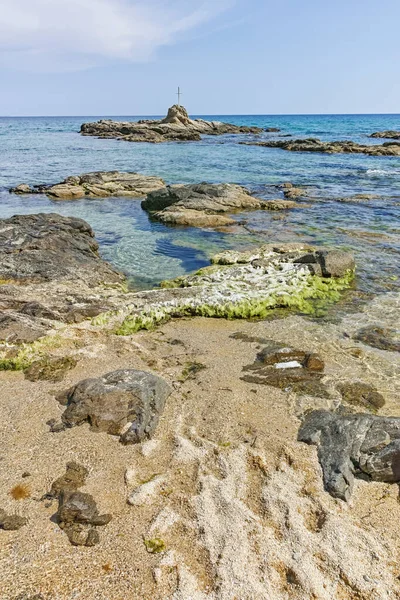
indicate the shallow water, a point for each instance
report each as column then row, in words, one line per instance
column 44, row 150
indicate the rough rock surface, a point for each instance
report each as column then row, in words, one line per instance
column 44, row 247
column 77, row 513
column 392, row 135
column 361, row 394
column 100, row 184
column 376, row 336
column 127, row 403
column 347, row 147
column 328, row 263
column 239, row 285
column 11, row 522
column 355, row 445
column 287, row 368
column 177, row 126
column 199, row 205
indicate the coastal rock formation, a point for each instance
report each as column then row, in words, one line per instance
column 46, row 247
column 243, row 285
column 390, row 135
column 199, row 205
column 176, row 126
column 100, row 184
column 127, row 403
column 316, row 145
column 355, row 445
column 376, row 336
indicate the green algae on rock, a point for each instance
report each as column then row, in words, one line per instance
column 249, row 287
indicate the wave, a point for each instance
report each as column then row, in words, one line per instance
column 379, row 172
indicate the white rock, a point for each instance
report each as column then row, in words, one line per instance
column 293, row 364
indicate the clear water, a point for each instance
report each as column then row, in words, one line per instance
column 44, row 150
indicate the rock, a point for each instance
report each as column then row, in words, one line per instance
column 287, row 368
column 281, row 205
column 383, row 338
column 238, row 285
column 328, row 263
column 46, row 247
column 355, row 445
column 361, row 394
column 315, row 145
column 77, row 513
column 146, row 492
column 199, row 205
column 71, row 481
column 393, row 135
column 176, row 126
column 272, row 130
column 20, row 329
column 11, row 522
column 292, row 193
column 115, row 401
column 100, row 184
column 50, row 369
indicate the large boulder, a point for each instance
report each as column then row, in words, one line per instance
column 127, row 403
column 199, row 205
column 353, row 445
column 100, row 184
column 46, row 247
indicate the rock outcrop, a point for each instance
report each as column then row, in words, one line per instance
column 389, row 135
column 175, row 127
column 127, row 403
column 100, row 184
column 355, row 445
column 335, row 147
column 46, row 247
column 199, row 205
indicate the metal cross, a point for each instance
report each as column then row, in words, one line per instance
column 179, row 94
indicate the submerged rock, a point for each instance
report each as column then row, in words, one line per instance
column 361, row 394
column 127, row 403
column 288, row 369
column 100, row 184
column 11, row 522
column 355, row 445
column 315, row 145
column 176, row 126
column 383, row 338
column 199, row 205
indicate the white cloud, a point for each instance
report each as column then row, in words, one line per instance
column 60, row 35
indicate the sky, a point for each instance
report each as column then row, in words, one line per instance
column 127, row 57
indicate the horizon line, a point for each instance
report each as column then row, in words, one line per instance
column 207, row 115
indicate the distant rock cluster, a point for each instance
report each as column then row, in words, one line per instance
column 176, row 127
column 335, row 147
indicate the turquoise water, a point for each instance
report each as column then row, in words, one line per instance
column 44, row 150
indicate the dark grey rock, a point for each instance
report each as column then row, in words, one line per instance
column 328, row 263
column 47, row 247
column 354, row 445
column 111, row 402
column 11, row 522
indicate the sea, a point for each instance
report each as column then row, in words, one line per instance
column 38, row 150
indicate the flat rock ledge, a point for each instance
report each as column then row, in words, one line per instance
column 100, row 184
column 389, row 135
column 337, row 147
column 200, row 205
column 355, row 445
column 245, row 285
column 176, row 127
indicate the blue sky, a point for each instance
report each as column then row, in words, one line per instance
column 127, row 57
